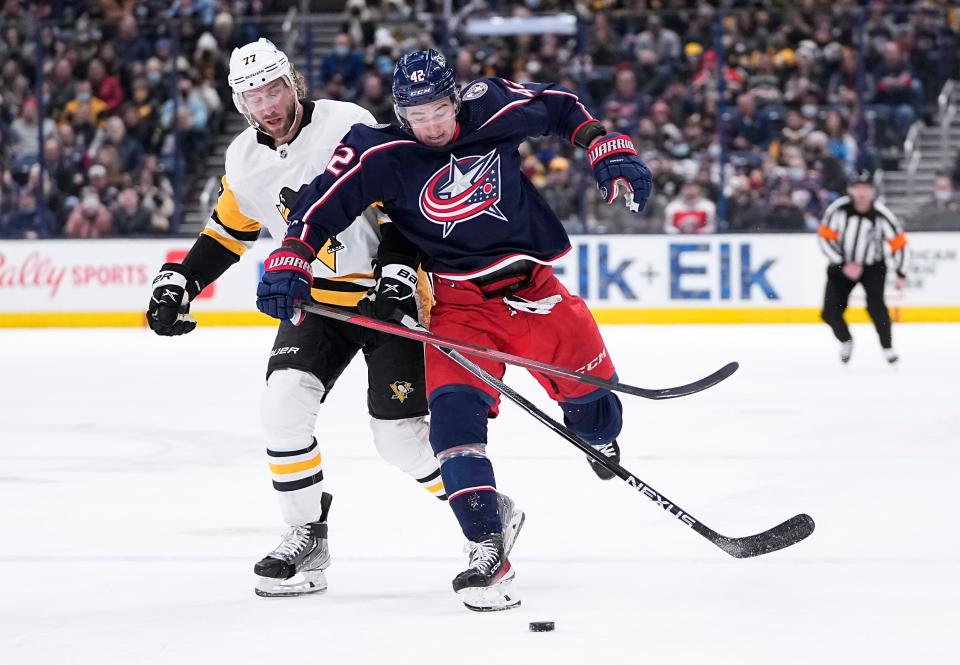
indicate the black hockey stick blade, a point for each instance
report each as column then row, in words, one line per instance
column 783, row 535
column 409, row 330
column 792, row 531
column 695, row 387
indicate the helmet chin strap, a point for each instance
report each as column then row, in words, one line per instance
column 297, row 117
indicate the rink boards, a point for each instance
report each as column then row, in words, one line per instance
column 762, row 278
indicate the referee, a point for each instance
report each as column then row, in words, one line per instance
column 857, row 234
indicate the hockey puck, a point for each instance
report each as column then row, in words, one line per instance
column 541, row 626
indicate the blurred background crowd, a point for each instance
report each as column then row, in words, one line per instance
column 752, row 115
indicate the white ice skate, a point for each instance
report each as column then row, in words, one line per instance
column 846, row 350
column 295, row 567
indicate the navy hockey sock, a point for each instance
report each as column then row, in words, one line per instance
column 458, row 435
column 474, row 501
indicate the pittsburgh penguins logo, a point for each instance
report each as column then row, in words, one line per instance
column 328, row 253
column 401, row 390
column 288, row 198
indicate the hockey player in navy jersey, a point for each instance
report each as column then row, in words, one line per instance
column 289, row 140
column 449, row 177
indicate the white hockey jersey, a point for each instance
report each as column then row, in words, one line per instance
column 262, row 182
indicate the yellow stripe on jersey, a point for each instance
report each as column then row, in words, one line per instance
column 351, row 277
column 234, row 246
column 436, row 487
column 338, row 298
column 281, row 469
column 228, row 210
column 230, row 227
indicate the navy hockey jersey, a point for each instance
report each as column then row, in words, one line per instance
column 466, row 205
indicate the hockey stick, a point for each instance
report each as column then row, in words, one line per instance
column 783, row 535
column 427, row 337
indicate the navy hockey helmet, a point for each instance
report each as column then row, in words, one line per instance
column 422, row 77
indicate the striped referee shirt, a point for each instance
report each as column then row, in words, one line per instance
column 846, row 236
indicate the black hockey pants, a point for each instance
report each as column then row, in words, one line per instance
column 838, row 293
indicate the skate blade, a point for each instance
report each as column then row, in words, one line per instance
column 494, row 598
column 302, row 584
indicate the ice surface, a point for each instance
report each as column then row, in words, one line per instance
column 135, row 498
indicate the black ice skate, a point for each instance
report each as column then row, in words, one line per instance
column 512, row 519
column 891, row 356
column 295, row 567
column 487, row 583
column 612, row 452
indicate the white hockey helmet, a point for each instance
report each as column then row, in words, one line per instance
column 254, row 65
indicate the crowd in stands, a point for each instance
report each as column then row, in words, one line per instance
column 812, row 91
column 751, row 119
column 95, row 98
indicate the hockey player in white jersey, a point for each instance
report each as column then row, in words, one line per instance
column 289, row 141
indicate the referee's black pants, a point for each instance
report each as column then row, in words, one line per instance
column 837, row 294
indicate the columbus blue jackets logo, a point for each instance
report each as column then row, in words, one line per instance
column 465, row 188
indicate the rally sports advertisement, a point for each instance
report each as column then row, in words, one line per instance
column 625, row 279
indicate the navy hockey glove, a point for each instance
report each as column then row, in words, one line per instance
column 287, row 280
column 169, row 311
column 395, row 289
column 614, row 161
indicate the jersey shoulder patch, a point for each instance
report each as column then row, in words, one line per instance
column 475, row 90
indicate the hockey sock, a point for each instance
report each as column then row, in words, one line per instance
column 474, row 501
column 458, row 435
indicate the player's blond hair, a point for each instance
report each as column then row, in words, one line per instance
column 299, row 83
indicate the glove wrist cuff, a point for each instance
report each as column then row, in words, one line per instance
column 401, row 273
column 300, row 248
column 611, row 144
column 176, row 274
column 290, row 257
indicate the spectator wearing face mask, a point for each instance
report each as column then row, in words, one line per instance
column 343, row 65
column 942, row 211
column 84, row 107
